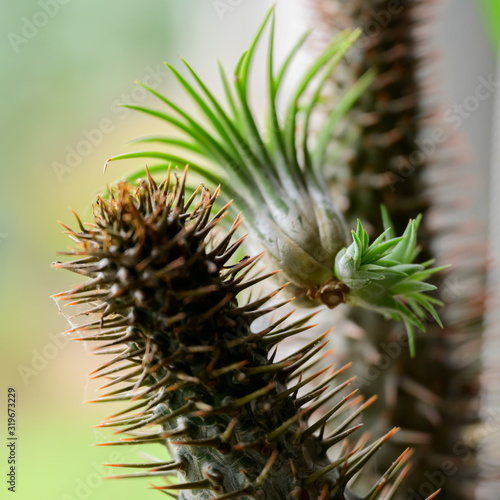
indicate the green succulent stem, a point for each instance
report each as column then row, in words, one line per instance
column 198, row 374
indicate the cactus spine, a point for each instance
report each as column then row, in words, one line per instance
column 435, row 398
column 164, row 303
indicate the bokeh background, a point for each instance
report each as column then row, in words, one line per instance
column 65, row 66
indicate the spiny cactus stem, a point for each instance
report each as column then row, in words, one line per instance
column 200, row 380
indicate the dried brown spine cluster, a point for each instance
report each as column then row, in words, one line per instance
column 200, row 379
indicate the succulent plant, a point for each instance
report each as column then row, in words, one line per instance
column 434, row 398
column 377, row 273
column 277, row 180
column 163, row 298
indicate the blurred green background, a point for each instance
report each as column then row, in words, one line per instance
column 491, row 13
column 65, row 66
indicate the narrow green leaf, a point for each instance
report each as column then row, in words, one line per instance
column 239, row 145
column 411, row 336
column 214, row 149
column 228, row 93
column 387, row 222
column 423, row 275
column 415, row 307
column 347, row 101
column 243, row 70
column 167, row 118
column 377, row 252
column 276, row 136
column 412, row 243
column 358, row 248
column 176, row 160
column 289, row 58
column 203, row 107
column 425, row 302
column 241, row 82
column 410, row 286
column 171, row 141
column 379, row 239
column 402, row 248
column 312, row 103
column 337, row 48
column 433, row 300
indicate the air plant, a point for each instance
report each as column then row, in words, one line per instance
column 277, row 180
column 164, row 299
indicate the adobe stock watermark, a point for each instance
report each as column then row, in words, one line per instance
column 83, row 487
column 452, row 290
column 388, row 353
column 379, row 20
column 40, row 358
column 462, row 454
column 454, row 116
column 30, row 27
column 223, row 7
column 93, row 137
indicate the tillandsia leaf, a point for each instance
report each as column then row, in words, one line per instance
column 272, row 176
column 275, row 177
column 199, row 375
column 382, row 276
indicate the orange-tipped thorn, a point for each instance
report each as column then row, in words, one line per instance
column 434, row 495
